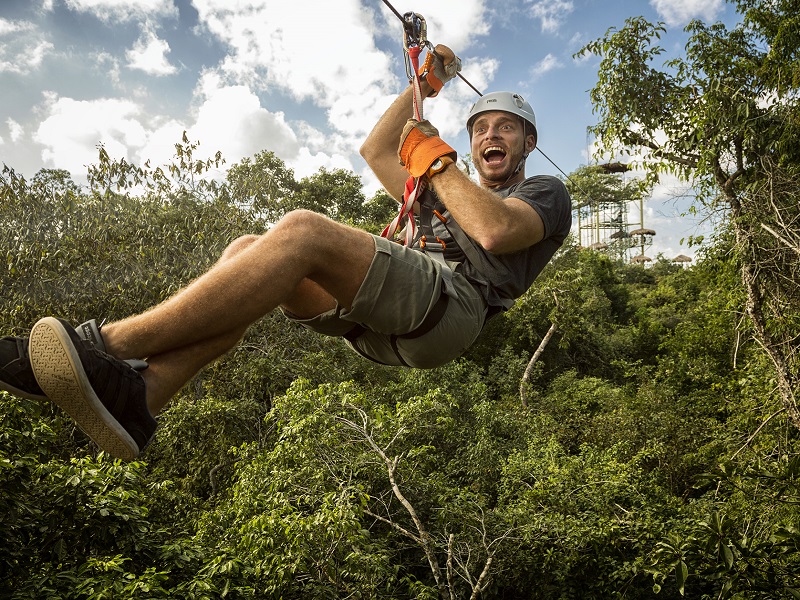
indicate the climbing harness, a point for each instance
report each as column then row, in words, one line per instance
column 415, row 39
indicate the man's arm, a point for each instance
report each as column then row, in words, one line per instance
column 499, row 225
column 380, row 147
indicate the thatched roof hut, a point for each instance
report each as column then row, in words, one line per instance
column 643, row 232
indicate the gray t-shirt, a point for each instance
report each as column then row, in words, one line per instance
column 502, row 278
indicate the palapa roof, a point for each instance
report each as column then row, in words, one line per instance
column 682, row 258
column 641, row 259
column 643, row 232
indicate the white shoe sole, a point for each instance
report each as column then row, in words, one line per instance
column 61, row 376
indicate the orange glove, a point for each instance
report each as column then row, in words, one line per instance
column 421, row 146
column 440, row 66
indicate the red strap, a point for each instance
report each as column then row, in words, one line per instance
column 414, row 187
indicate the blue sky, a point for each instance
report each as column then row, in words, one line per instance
column 304, row 78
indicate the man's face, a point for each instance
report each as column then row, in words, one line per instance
column 498, row 143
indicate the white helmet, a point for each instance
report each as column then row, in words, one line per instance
column 506, row 102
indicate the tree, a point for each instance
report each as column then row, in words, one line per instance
column 263, row 183
column 597, row 184
column 724, row 117
column 335, row 193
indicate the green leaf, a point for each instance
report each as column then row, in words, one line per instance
column 681, row 574
column 728, row 554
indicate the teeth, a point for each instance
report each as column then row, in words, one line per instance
column 493, row 149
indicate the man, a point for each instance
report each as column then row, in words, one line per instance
column 394, row 304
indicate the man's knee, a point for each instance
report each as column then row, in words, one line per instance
column 313, row 232
column 319, row 240
column 302, row 219
column 296, row 221
column 238, row 245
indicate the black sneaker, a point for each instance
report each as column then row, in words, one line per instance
column 105, row 396
column 16, row 375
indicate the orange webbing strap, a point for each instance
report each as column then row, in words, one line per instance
column 413, row 54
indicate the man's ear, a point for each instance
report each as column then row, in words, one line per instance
column 530, row 143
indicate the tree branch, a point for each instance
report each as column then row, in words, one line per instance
column 423, row 539
column 394, row 525
column 523, row 386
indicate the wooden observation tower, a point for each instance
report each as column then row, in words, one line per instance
column 604, row 225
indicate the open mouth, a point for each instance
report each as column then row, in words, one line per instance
column 494, row 155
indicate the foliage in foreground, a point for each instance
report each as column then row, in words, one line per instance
column 649, row 458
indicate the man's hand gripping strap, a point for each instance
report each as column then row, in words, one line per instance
column 440, row 66
column 421, row 146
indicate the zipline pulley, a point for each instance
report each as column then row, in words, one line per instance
column 415, row 38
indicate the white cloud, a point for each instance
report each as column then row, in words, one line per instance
column 229, row 119
column 680, row 12
column 307, row 163
column 15, row 130
column 22, row 49
column 125, row 10
column 275, row 46
column 547, row 64
column 455, row 23
column 551, row 12
column 8, row 27
column 274, row 50
column 232, row 120
column 23, row 60
column 159, row 148
column 328, row 59
column 73, row 129
column 107, row 64
column 149, row 54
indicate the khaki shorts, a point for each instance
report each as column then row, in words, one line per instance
column 400, row 289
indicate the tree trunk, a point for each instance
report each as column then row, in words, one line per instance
column 773, row 349
column 776, row 349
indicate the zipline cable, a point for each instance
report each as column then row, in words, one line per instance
column 477, row 91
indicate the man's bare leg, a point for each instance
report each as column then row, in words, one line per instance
column 307, row 262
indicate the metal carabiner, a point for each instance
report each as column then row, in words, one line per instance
column 415, row 35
